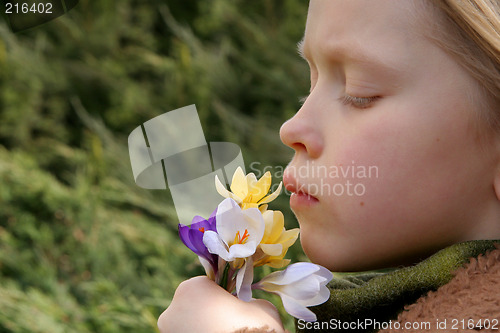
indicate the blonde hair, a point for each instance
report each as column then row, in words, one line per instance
column 472, row 35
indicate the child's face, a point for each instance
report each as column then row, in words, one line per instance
column 386, row 100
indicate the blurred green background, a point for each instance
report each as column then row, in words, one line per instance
column 82, row 248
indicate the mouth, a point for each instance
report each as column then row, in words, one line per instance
column 300, row 197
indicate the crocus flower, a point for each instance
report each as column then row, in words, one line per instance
column 247, row 191
column 192, row 237
column 275, row 242
column 300, row 285
column 244, row 279
column 239, row 232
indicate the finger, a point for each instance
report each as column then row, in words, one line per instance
column 200, row 305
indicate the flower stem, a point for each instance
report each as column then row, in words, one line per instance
column 223, row 282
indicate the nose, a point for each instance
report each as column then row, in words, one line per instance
column 303, row 132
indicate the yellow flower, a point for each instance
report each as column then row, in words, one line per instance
column 247, row 191
column 275, row 242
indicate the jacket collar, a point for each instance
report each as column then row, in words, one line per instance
column 359, row 300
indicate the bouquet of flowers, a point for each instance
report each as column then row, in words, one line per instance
column 242, row 233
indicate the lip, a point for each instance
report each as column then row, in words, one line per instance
column 300, row 198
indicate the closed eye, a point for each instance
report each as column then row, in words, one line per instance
column 358, row 102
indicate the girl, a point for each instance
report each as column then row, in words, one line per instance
column 413, row 89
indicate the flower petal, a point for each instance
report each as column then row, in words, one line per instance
column 304, row 289
column 221, row 189
column 209, row 269
column 196, row 219
column 292, row 273
column 244, row 280
column 239, row 185
column 296, row 309
column 275, row 225
column 255, row 224
column 192, row 238
column 288, row 237
column 196, row 239
column 271, row 196
column 262, row 208
column 242, row 250
column 246, row 205
column 251, row 181
column 277, row 262
column 184, row 235
column 215, row 244
column 214, row 213
column 232, row 223
column 258, row 189
column 325, row 274
column 229, row 220
column 321, row 297
column 272, row 249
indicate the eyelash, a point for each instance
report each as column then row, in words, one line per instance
column 357, row 102
column 302, row 99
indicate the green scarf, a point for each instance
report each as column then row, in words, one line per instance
column 356, row 300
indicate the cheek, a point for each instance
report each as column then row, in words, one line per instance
column 409, row 204
column 405, row 163
column 382, row 164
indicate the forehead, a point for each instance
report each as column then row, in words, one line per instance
column 357, row 27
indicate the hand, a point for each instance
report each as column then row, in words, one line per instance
column 200, row 305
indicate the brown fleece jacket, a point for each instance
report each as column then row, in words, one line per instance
column 470, row 302
column 473, row 295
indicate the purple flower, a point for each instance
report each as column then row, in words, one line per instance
column 192, row 237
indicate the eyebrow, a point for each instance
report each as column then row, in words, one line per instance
column 355, row 56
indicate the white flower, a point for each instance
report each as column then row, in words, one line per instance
column 244, row 280
column 300, row 285
column 239, row 232
column 209, row 270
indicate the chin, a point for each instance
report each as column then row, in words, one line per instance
column 321, row 255
column 344, row 258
